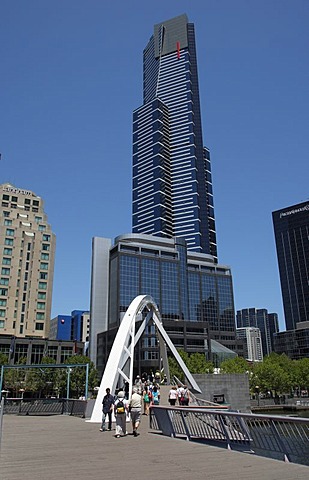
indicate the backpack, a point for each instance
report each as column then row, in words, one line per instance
column 155, row 397
column 120, row 407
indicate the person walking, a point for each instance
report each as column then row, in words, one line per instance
column 172, row 396
column 121, row 407
column 155, row 396
column 135, row 410
column 107, row 410
column 146, row 399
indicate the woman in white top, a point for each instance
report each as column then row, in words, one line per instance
column 172, row 396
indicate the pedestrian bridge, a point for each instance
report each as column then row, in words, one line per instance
column 67, row 447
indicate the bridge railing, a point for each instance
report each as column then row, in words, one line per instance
column 279, row 437
column 44, row 406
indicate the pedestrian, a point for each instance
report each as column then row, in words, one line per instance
column 107, row 410
column 172, row 396
column 180, row 391
column 121, row 407
column 135, row 410
column 138, row 384
column 147, row 399
column 184, row 396
column 155, row 396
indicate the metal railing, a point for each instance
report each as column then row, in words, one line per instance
column 278, row 437
column 44, row 406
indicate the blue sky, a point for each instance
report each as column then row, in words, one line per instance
column 71, row 75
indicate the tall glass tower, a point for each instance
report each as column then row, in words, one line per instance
column 172, row 185
column 291, row 226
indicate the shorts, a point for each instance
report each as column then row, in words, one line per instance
column 135, row 415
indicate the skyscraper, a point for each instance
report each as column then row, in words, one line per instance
column 291, row 226
column 172, row 185
column 27, row 264
column 260, row 318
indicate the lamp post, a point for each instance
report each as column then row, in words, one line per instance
column 257, row 393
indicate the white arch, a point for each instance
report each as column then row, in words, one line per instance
column 122, row 353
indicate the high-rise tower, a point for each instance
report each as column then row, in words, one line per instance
column 291, row 227
column 172, row 185
column 27, row 264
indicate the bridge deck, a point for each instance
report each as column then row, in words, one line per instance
column 36, row 448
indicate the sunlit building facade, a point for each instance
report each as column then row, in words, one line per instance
column 27, row 248
column 172, row 184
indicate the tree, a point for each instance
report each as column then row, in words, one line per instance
column 196, row 363
column 271, row 376
column 77, row 376
column 4, row 360
column 234, row 365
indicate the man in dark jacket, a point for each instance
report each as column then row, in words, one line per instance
column 107, row 409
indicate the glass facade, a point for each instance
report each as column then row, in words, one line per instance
column 187, row 290
column 291, row 226
column 172, row 185
column 260, row 318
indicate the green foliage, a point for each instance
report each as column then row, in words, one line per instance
column 196, row 363
column 235, row 365
column 4, row 360
column 77, row 377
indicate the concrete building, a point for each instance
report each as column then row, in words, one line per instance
column 27, row 248
column 253, row 343
column 259, row 318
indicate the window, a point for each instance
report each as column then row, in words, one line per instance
column 21, row 329
column 7, row 222
column 7, row 251
column 46, row 238
column 43, row 276
column 38, row 219
column 40, row 316
column 36, row 203
column 14, row 199
column 3, row 303
column 27, row 201
column 8, row 241
column 42, row 295
column 10, row 232
column 4, row 281
column 42, row 228
column 44, row 266
column 41, row 305
column 5, row 271
column 2, row 313
column 3, row 291
column 6, row 261
column 42, row 285
column 39, row 326
column 5, row 197
column 45, row 247
column 1, row 323
column 6, row 214
column 44, row 256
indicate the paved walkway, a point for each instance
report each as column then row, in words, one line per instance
column 56, row 447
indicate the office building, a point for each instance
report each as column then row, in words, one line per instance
column 27, row 264
column 194, row 295
column 259, row 318
column 294, row 343
column 253, row 343
column 73, row 327
column 291, row 227
column 33, row 349
column 172, row 184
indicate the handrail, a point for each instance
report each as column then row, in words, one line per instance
column 279, row 437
